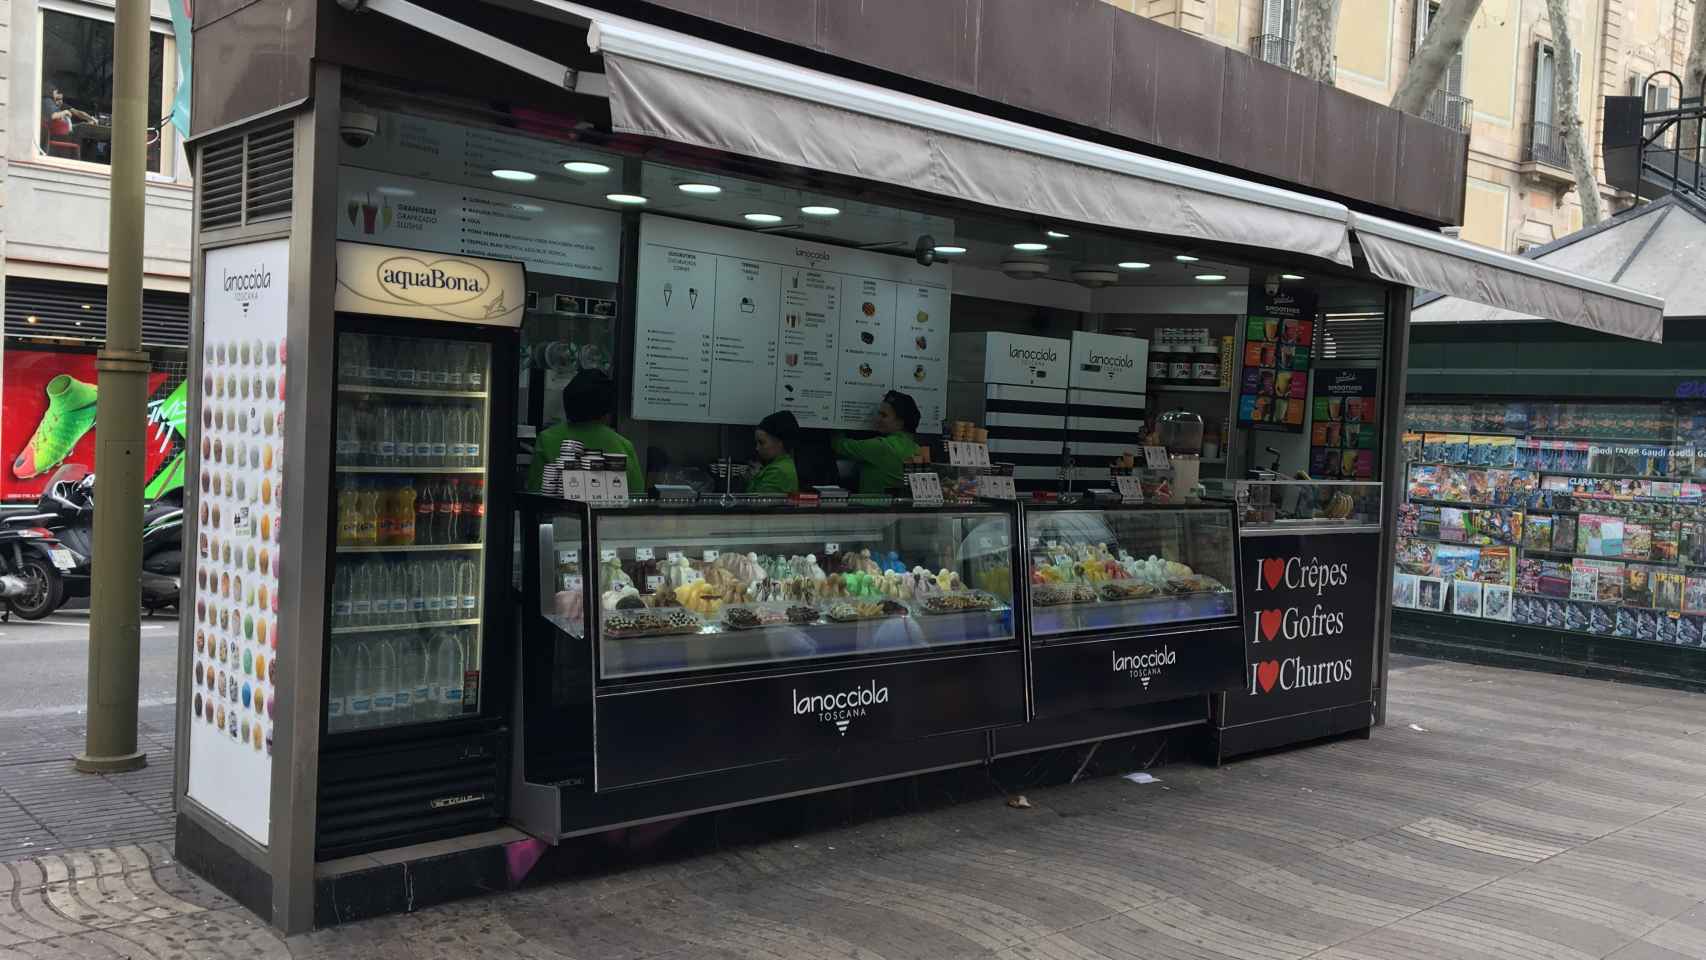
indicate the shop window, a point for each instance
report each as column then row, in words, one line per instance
column 77, row 89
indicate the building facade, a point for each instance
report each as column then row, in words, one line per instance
column 55, row 126
column 1520, row 191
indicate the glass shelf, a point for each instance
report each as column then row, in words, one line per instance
column 410, row 391
column 404, row 627
column 415, row 471
column 411, row 548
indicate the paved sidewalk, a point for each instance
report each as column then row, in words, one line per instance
column 1499, row 815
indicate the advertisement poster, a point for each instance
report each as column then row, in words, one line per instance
column 1310, row 614
column 240, row 486
column 47, row 420
column 1344, row 440
column 1273, row 387
column 732, row 326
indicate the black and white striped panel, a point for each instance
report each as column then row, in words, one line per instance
column 1100, row 426
column 1027, row 428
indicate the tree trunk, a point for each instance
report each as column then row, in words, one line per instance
column 1317, row 33
column 1694, row 81
column 1444, row 40
column 1569, row 117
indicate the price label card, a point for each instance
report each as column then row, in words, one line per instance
column 956, row 455
column 643, row 553
column 980, row 454
column 571, row 582
column 1130, row 489
column 998, row 488
column 926, row 488
column 832, row 548
column 674, row 555
column 568, row 556
column 711, row 556
column 1155, row 458
column 606, row 554
column 653, row 583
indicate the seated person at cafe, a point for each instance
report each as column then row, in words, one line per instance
column 57, row 119
column 881, row 459
column 588, row 401
column 774, row 440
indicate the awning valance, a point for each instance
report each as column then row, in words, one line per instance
column 1430, row 261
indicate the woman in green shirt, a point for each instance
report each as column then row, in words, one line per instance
column 882, row 458
column 774, row 439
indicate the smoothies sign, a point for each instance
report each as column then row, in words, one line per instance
column 1309, row 623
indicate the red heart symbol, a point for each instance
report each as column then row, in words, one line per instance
column 1272, row 569
column 1266, row 673
column 1271, row 622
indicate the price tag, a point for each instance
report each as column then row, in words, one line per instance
column 926, row 488
column 674, row 555
column 1130, row 489
column 1155, row 458
column 832, row 548
column 571, row 582
column 711, row 556
column 643, row 553
column 997, row 488
column 653, row 583
column 606, row 554
column 980, row 454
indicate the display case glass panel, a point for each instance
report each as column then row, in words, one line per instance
column 1286, row 504
column 1123, row 568
column 700, row 590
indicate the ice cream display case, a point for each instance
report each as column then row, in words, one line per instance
column 749, row 643
column 1130, row 604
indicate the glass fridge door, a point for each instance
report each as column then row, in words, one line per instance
column 413, row 419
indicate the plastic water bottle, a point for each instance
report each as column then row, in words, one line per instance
column 450, row 598
column 384, row 680
column 385, row 350
column 416, row 672
column 456, row 449
column 434, row 362
column 360, row 702
column 474, row 374
column 449, row 659
column 434, row 598
column 361, row 594
column 349, row 434
column 468, row 588
column 343, row 593
column 399, row 576
column 406, row 376
column 388, row 435
column 407, row 415
column 337, row 696
column 472, row 430
column 416, row 578
column 454, row 361
column 352, row 359
column 432, row 431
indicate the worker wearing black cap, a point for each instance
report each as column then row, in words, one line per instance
column 588, row 401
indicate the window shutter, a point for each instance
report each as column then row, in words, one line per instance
column 1424, row 16
column 1543, row 112
column 1279, row 18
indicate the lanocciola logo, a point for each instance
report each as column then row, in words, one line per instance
column 1041, row 354
column 1108, row 361
column 840, row 708
column 248, row 284
column 1144, row 667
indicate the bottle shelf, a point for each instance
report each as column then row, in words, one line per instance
column 411, row 548
column 416, row 471
column 411, row 392
column 1187, row 388
column 405, row 627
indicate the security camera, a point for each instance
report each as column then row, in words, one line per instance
column 357, row 127
column 924, row 251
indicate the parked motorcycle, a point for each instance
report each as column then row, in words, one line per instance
column 32, row 568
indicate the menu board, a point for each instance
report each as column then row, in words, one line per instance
column 558, row 239
column 732, row 325
column 1344, row 431
column 1273, row 391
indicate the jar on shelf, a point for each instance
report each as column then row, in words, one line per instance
column 1179, row 361
column 1158, row 364
column 1205, row 366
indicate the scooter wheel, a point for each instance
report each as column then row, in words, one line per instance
column 47, row 590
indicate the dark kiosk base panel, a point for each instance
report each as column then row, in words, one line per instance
column 223, row 867
column 1553, row 651
column 1298, row 730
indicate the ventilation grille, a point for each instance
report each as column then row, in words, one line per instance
column 78, row 311
column 1351, row 337
column 371, row 799
column 246, row 178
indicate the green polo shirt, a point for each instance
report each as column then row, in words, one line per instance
column 598, row 438
column 881, row 459
column 777, row 476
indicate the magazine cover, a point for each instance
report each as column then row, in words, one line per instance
column 1527, row 575
column 1417, row 557
column 1456, row 449
column 1424, row 482
column 1404, row 590
column 1688, row 631
column 1480, row 451
column 1555, row 578
column 1638, row 585
column 1496, row 565
column 1555, row 614
column 1523, row 610
column 1637, row 540
column 1457, row 563
column 1466, row 598
column 1601, row 620
column 1694, row 594
column 1427, row 520
column 1625, row 625
column 1452, row 525
column 1433, row 447
column 1537, row 531
column 1479, row 490
column 1496, row 602
column 1410, row 443
column 1646, row 625
column 1667, row 542
column 1504, row 452
column 1599, row 536
column 1563, row 534
column 1584, row 580
column 1612, row 580
column 1667, row 627
column 1668, row 585
column 1430, row 594
column 1577, row 615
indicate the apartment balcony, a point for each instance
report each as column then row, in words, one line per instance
column 1545, row 160
column 1450, row 110
column 1272, row 48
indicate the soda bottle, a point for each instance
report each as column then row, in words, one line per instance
column 426, row 513
column 474, row 373
column 414, row 589
column 360, row 702
column 387, row 517
column 384, row 680
column 367, row 516
column 473, row 425
column 449, row 659
column 416, row 672
column 468, row 588
column 406, row 515
column 349, row 526
column 450, row 600
column 337, row 693
column 445, row 514
column 352, row 359
column 473, row 511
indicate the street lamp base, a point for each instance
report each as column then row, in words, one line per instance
column 118, row 763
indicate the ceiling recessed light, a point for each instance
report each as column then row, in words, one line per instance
column 1211, row 277
column 1030, row 246
column 1133, row 265
column 1185, row 258
column 527, row 207
column 632, row 199
column 819, row 210
column 948, row 249
column 519, row 176
column 586, row 167
column 763, row 218
column 1291, row 276
column 699, row 189
column 1058, row 235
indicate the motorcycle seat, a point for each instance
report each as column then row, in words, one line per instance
column 28, row 519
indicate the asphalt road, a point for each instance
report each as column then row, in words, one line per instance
column 44, row 665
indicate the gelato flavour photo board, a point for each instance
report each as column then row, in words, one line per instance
column 1273, row 387
column 731, row 326
column 239, row 499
